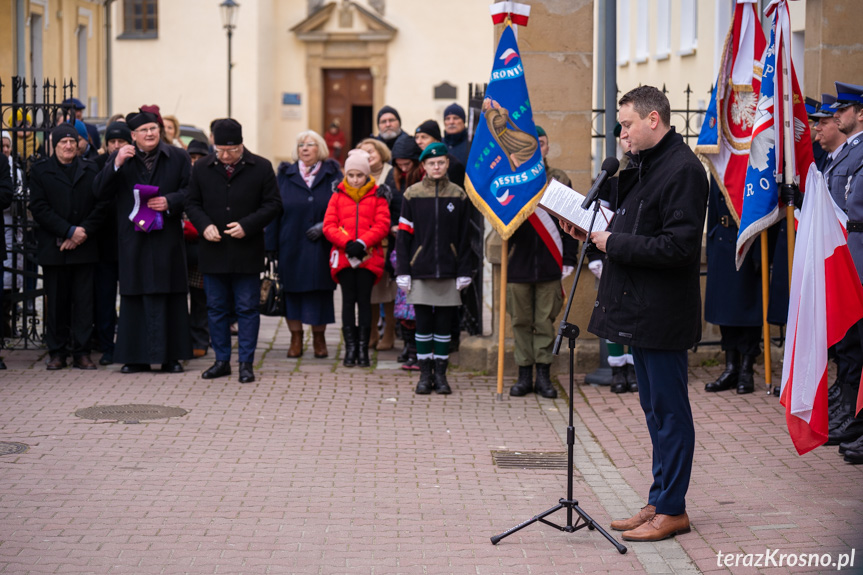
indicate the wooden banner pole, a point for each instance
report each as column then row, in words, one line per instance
column 501, row 324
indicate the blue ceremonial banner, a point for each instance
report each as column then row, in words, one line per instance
column 761, row 191
column 761, row 207
column 505, row 173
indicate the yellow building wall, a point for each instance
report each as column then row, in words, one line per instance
column 60, row 20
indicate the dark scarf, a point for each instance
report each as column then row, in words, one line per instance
column 149, row 158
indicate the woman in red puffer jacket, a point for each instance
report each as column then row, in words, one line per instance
column 356, row 222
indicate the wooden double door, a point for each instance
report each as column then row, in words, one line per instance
column 348, row 98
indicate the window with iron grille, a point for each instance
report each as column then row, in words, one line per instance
column 140, row 19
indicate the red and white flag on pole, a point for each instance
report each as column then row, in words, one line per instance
column 826, row 299
column 726, row 134
column 518, row 13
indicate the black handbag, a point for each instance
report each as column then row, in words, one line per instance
column 272, row 299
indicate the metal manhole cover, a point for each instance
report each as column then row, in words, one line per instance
column 131, row 413
column 11, row 448
column 529, row 460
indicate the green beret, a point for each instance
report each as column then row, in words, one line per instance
column 435, row 150
column 540, row 132
column 617, row 130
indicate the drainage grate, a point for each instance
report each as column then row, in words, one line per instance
column 529, row 460
column 132, row 413
column 11, row 448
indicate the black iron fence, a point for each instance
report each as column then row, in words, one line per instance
column 28, row 112
column 687, row 121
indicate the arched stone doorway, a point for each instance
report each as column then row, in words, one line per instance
column 346, row 66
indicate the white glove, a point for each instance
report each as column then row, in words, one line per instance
column 461, row 283
column 404, row 283
column 596, row 268
column 566, row 272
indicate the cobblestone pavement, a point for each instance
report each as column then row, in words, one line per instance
column 316, row 468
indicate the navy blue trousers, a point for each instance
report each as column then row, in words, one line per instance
column 662, row 388
column 246, row 289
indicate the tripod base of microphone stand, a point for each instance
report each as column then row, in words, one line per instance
column 583, row 520
column 570, row 332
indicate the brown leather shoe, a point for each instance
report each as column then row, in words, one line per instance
column 646, row 514
column 55, row 363
column 199, row 352
column 296, row 349
column 319, row 343
column 659, row 527
column 83, row 362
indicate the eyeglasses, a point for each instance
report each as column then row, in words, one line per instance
column 435, row 163
column 149, row 130
column 229, row 151
column 307, row 145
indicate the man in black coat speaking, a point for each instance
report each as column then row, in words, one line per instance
column 232, row 197
column 650, row 298
column 153, row 325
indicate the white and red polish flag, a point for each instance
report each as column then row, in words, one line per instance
column 826, row 300
column 518, row 13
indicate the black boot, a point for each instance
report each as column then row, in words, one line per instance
column 849, row 430
column 426, row 383
column 631, row 378
column 746, row 378
column 403, row 356
column 410, row 360
column 351, row 352
column 524, row 385
column 728, row 378
column 618, row 380
column 441, row 385
column 834, row 394
column 543, row 385
column 363, row 357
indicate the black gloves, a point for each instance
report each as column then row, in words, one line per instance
column 315, row 232
column 355, row 250
column 790, row 195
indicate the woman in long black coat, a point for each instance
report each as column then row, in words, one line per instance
column 297, row 236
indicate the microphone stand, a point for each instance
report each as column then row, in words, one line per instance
column 570, row 331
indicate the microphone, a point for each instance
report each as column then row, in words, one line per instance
column 609, row 168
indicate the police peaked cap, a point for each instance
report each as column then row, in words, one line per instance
column 846, row 95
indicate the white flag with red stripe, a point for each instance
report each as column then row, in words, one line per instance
column 518, row 13
column 826, row 299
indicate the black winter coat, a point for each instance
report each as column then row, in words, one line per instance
column 458, row 146
column 304, row 265
column 433, row 241
column 57, row 204
column 732, row 297
column 530, row 260
column 650, row 294
column 154, row 262
column 250, row 198
column 7, row 193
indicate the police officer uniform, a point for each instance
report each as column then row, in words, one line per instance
column 845, row 180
